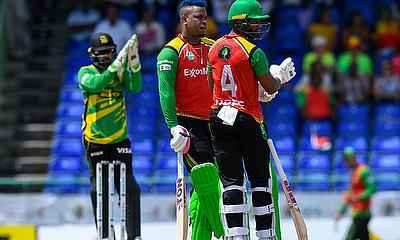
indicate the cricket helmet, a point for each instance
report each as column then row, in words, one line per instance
column 246, row 17
column 102, row 50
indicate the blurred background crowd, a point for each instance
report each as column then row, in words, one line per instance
column 346, row 91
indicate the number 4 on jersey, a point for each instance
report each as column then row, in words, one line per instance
column 228, row 76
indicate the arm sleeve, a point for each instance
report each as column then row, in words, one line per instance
column 259, row 62
column 167, row 66
column 133, row 81
column 369, row 184
column 92, row 81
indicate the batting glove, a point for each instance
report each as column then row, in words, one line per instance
column 180, row 141
column 133, row 55
column 120, row 62
column 263, row 96
column 284, row 72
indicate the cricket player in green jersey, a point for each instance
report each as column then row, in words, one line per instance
column 105, row 136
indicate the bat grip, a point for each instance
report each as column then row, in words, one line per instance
column 180, row 164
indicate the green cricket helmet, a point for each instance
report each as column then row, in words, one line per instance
column 246, row 17
column 102, row 50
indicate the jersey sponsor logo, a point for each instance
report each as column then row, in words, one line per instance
column 165, row 67
column 229, row 102
column 194, row 72
column 124, row 150
column 224, row 53
column 109, row 93
column 190, row 55
column 94, row 154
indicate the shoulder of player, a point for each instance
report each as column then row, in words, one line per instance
column 175, row 44
column 246, row 45
column 88, row 68
column 207, row 41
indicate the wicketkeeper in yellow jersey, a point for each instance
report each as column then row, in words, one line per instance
column 104, row 127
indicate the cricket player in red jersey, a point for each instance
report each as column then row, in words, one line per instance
column 186, row 104
column 238, row 75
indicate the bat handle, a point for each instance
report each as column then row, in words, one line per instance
column 180, row 164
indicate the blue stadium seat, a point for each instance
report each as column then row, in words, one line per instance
column 71, row 79
column 341, row 180
column 144, row 180
column 278, row 128
column 167, row 163
column 142, row 163
column 389, row 126
column 65, row 165
column 288, row 15
column 68, row 129
column 149, row 83
column 387, row 109
column 351, row 127
column 288, row 163
column 359, row 143
column 387, row 180
column 284, row 97
column 144, row 99
column 384, row 161
column 323, row 128
column 353, row 112
column 148, row 111
column 313, row 181
column 340, row 166
column 70, row 111
column 282, row 111
column 285, row 144
column 71, row 95
column 163, row 146
column 67, row 147
column 316, row 162
column 143, row 146
column 386, row 144
column 141, row 130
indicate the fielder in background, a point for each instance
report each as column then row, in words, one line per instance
column 362, row 187
column 186, row 104
column 104, row 125
column 238, row 75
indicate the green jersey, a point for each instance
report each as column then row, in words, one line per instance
column 104, row 118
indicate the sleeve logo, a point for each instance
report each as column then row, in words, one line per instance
column 165, row 67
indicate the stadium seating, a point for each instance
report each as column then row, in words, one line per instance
column 323, row 128
column 353, row 112
column 285, row 144
column 68, row 129
column 67, row 147
column 314, row 162
column 386, row 144
column 358, row 143
column 313, row 181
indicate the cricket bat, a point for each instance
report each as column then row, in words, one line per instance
column 298, row 219
column 181, row 203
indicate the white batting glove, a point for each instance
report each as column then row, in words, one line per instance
column 263, row 96
column 284, row 72
column 120, row 62
column 133, row 55
column 180, row 141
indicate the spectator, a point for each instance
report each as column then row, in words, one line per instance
column 319, row 52
column 386, row 87
column 315, row 102
column 387, row 31
column 364, row 61
column 357, row 27
column 325, row 27
column 327, row 78
column 353, row 87
column 119, row 29
column 82, row 20
column 150, row 32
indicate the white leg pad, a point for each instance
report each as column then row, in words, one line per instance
column 266, row 234
column 237, row 231
column 269, row 209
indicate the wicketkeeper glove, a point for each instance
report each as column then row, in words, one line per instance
column 180, row 141
column 263, row 96
column 120, row 62
column 284, row 72
column 133, row 55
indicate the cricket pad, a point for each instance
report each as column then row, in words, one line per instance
column 205, row 181
column 201, row 229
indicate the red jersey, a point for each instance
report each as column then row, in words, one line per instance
column 193, row 96
column 358, row 187
column 235, row 83
column 318, row 105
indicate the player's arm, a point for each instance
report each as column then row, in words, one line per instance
column 369, row 183
column 133, row 80
column 92, row 81
column 210, row 79
column 259, row 64
column 167, row 66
